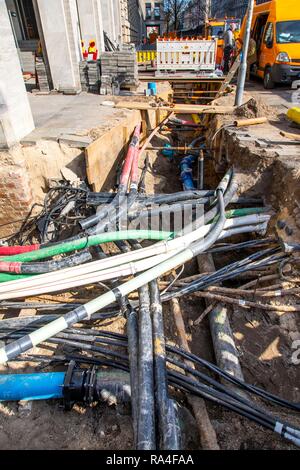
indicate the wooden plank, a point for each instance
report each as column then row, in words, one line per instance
column 178, row 108
column 180, row 78
column 104, row 154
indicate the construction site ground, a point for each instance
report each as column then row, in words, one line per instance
column 264, row 339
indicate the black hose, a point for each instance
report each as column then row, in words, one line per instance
column 146, row 418
column 132, row 333
column 167, row 419
column 50, row 266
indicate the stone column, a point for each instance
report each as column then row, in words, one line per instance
column 16, row 120
column 107, row 7
column 90, row 18
column 117, row 19
column 60, row 25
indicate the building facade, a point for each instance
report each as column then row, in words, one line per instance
column 132, row 20
column 233, row 8
column 121, row 20
column 194, row 16
column 153, row 11
column 55, row 30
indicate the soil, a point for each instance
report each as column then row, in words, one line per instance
column 264, row 342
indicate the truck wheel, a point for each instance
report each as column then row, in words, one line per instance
column 268, row 82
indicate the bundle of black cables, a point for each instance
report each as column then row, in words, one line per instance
column 201, row 384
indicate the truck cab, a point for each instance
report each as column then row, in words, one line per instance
column 215, row 28
column 276, row 31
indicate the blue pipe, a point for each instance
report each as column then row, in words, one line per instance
column 41, row 386
column 186, row 166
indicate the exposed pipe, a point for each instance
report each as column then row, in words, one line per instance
column 86, row 311
column 121, row 265
column 243, row 66
column 169, row 434
column 146, row 436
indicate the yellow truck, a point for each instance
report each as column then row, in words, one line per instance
column 276, row 31
column 215, row 28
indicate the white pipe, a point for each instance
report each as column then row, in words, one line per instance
column 163, row 247
column 59, row 277
column 119, row 271
column 86, row 311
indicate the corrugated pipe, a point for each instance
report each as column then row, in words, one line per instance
column 186, row 175
column 186, row 166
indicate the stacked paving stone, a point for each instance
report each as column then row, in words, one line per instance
column 90, row 76
column 94, row 76
column 41, row 75
column 84, row 76
column 118, row 69
column 27, row 61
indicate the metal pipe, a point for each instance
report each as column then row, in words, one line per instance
column 200, row 169
column 182, row 148
column 243, row 67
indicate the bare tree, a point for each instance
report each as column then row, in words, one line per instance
column 174, row 12
column 201, row 11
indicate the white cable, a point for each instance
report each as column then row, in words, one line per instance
column 119, row 260
column 78, row 280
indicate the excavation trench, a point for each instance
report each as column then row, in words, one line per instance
column 263, row 338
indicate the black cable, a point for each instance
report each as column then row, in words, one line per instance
column 146, row 412
column 168, row 428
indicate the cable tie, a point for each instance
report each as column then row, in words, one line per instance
column 166, row 246
column 156, row 305
column 278, row 427
column 117, row 293
column 132, row 268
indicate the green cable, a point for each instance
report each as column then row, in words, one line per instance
column 233, row 213
column 14, row 277
column 93, row 240
column 80, row 244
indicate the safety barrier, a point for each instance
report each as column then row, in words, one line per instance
column 145, row 56
column 196, row 55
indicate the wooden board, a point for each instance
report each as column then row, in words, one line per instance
column 180, row 78
column 178, row 108
column 103, row 156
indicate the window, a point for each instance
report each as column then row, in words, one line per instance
column 269, row 33
column 157, row 11
column 288, row 32
column 148, row 10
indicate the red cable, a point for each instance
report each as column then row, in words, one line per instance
column 7, row 267
column 16, row 250
column 130, row 157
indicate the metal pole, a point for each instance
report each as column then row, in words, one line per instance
column 243, row 66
